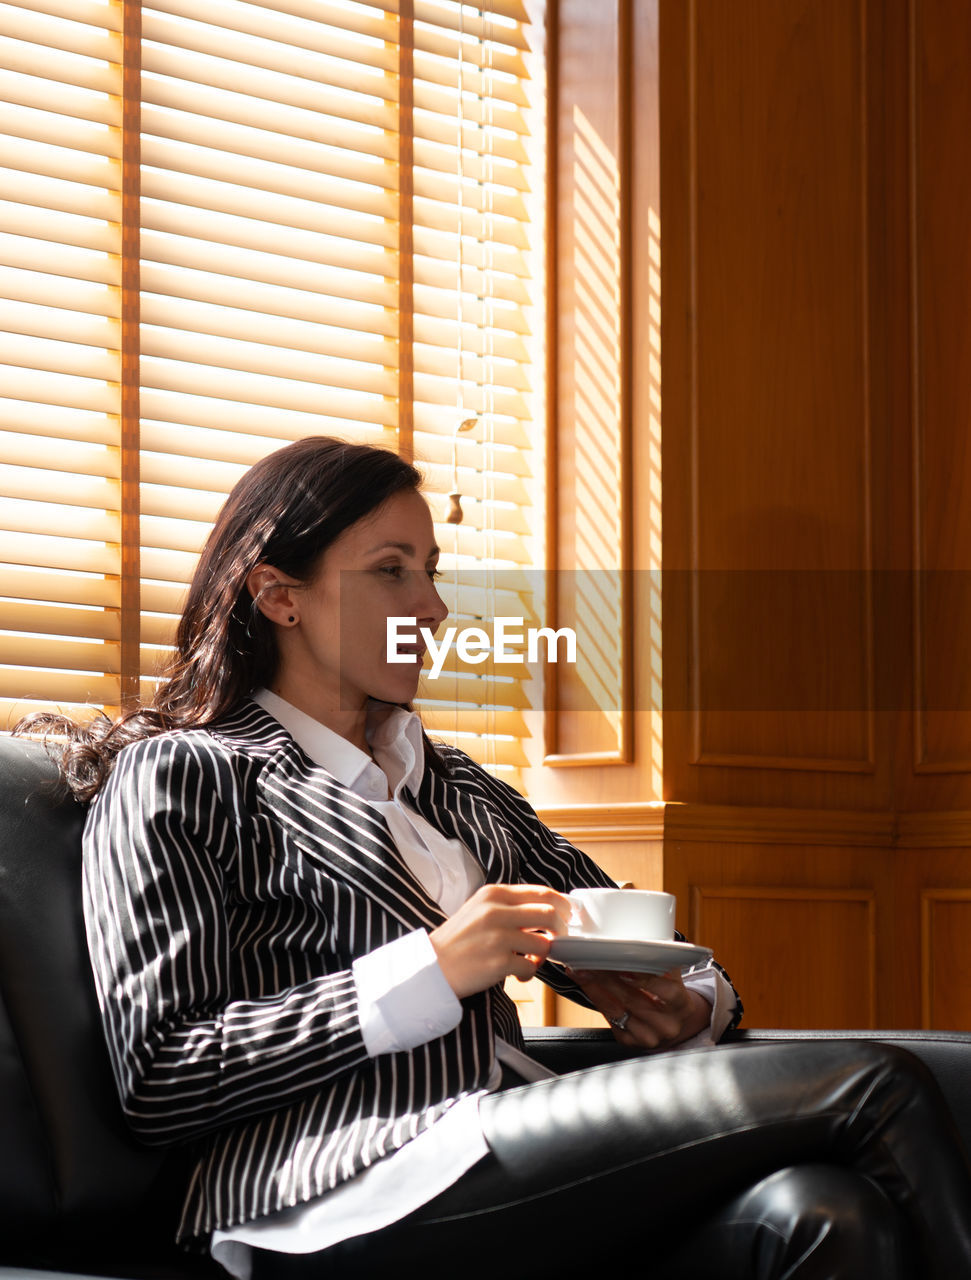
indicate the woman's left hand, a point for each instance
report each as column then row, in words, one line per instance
column 660, row 1010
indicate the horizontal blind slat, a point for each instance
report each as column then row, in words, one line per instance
column 45, row 552
column 437, row 400
column 51, row 27
column 96, row 13
column 341, row 59
column 344, row 98
column 500, row 20
column 28, row 287
column 46, row 622
column 166, row 535
column 483, row 68
column 436, row 252
column 229, row 413
column 56, row 652
column 43, row 320
column 38, row 483
column 192, row 192
column 57, row 227
column 60, row 195
column 292, row 289
column 270, row 328
column 375, row 21
column 163, row 598
column 436, row 110
column 464, row 687
column 78, row 530
column 173, row 226
column 100, row 71
column 259, row 366
column 473, row 720
column 48, row 386
column 181, row 505
column 23, row 686
column 274, row 136
column 512, row 438
column 435, row 153
column 64, row 164
column 312, row 113
column 43, row 583
column 237, row 442
column 52, row 356
column 72, row 456
column 59, row 422
column 28, row 254
column 364, row 184
column 59, row 131
column 72, row 103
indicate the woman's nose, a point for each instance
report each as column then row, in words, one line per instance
column 430, row 608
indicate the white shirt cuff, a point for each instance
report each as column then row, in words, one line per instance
column 403, row 997
column 710, row 984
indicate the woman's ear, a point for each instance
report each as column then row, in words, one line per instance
column 273, row 593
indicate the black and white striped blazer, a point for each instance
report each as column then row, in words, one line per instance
column 229, row 883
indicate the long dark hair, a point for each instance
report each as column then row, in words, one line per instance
column 285, row 511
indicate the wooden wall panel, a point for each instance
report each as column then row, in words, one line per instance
column 946, row 958
column 778, row 233
column 932, row 976
column 941, row 338
column 814, row 959
column 767, row 301
column 799, row 907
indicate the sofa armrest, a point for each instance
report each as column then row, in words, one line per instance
column 947, row 1055
column 573, row 1048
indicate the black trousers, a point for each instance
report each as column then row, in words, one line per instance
column 747, row 1162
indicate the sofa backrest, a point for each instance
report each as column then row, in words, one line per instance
column 69, row 1170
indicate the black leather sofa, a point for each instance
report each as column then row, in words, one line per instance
column 77, row 1194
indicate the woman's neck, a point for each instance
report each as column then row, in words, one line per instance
column 348, row 722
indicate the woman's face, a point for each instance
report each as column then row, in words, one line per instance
column 335, row 655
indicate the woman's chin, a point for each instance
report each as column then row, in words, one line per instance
column 397, row 686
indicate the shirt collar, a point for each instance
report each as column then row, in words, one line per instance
column 394, row 734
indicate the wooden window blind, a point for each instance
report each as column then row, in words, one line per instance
column 60, row 378
column 230, row 225
column 478, row 211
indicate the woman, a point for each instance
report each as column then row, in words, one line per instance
column 300, row 915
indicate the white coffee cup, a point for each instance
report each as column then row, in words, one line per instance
column 636, row 914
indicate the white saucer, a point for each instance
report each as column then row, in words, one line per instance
column 582, row 952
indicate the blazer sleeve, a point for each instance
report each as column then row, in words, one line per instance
column 187, row 1053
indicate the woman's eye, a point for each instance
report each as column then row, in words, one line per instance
column 398, row 571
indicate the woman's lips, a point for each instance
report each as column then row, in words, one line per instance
column 412, row 651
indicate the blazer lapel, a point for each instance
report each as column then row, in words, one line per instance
column 462, row 815
column 340, row 835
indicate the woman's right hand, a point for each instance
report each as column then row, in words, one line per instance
column 502, row 929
